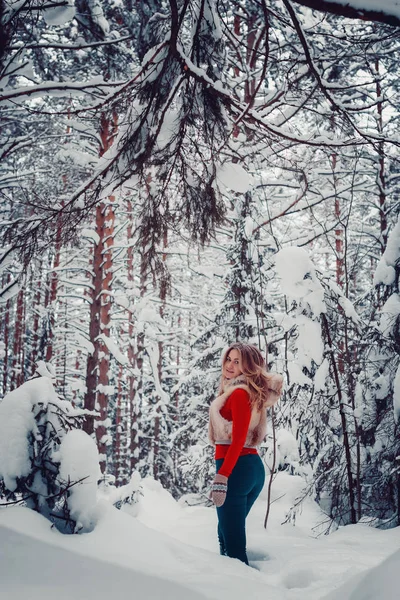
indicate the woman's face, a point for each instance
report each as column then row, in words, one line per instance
column 231, row 368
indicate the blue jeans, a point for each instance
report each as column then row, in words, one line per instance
column 244, row 486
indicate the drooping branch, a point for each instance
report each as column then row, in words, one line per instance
column 347, row 9
column 93, row 88
column 78, row 46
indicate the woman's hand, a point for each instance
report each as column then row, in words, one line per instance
column 218, row 490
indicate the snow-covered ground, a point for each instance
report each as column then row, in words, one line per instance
column 170, row 551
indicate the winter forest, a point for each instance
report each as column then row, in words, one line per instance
column 176, row 175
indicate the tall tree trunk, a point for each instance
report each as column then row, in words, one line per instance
column 157, row 423
column 103, row 387
column 6, row 339
column 17, row 369
column 36, row 309
column 75, row 393
column 251, row 53
column 339, row 247
column 236, row 29
column 94, row 325
column 139, row 355
column 53, row 294
column 97, row 370
column 381, row 181
column 242, row 264
column 133, row 382
column 119, row 455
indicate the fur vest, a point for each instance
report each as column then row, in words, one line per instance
column 220, row 430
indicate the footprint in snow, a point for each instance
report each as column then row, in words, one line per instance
column 257, row 555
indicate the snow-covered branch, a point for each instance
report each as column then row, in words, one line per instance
column 386, row 11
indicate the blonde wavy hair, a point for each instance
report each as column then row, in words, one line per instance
column 254, row 369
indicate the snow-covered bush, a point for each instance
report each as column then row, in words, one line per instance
column 44, row 462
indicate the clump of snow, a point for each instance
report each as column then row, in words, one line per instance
column 385, row 272
column 234, row 177
column 98, row 17
column 389, row 313
column 309, row 342
column 321, row 375
column 299, row 282
column 91, row 234
column 45, row 369
column 287, row 449
column 147, row 314
column 296, row 374
column 114, row 350
column 59, row 15
column 17, row 422
column 298, row 279
column 121, row 299
column 381, row 386
column 79, row 464
column 348, row 308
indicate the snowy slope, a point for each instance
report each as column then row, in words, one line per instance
column 291, row 559
column 381, row 582
column 170, row 551
column 34, row 569
column 121, row 541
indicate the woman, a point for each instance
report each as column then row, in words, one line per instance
column 237, row 426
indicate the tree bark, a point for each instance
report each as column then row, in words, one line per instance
column 94, row 325
column 17, row 370
column 157, row 423
column 119, row 457
column 97, row 376
column 133, row 397
column 103, row 389
column 6, row 340
column 53, row 292
column 381, row 173
column 36, row 319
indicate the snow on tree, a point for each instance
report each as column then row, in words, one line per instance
column 379, row 378
column 45, row 461
column 366, row 10
column 328, row 430
column 187, row 52
column 79, row 462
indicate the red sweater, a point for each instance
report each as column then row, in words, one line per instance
column 238, row 410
